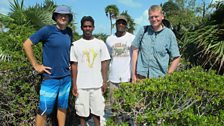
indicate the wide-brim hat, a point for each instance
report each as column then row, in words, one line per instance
column 62, row 9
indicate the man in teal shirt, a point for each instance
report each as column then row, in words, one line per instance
column 154, row 48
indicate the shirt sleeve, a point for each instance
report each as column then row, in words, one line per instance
column 73, row 56
column 109, row 46
column 104, row 52
column 136, row 42
column 174, row 49
column 40, row 35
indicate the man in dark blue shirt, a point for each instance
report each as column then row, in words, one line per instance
column 55, row 70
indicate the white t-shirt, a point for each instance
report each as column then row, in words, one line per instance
column 120, row 51
column 89, row 54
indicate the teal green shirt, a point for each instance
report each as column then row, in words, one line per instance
column 155, row 51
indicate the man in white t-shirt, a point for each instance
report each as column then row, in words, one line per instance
column 119, row 46
column 89, row 57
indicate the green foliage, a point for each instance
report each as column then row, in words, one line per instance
column 17, row 12
column 39, row 17
column 182, row 15
column 36, row 16
column 170, row 8
column 18, row 85
column 11, row 46
column 101, row 36
column 218, row 16
column 205, row 45
column 191, row 97
column 131, row 23
column 17, row 82
column 112, row 12
column 18, row 97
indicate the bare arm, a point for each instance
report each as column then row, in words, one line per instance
column 74, row 67
column 104, row 68
column 174, row 65
column 134, row 63
column 27, row 46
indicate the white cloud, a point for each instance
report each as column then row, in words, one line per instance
column 130, row 3
column 4, row 6
column 217, row 0
column 5, row 2
column 142, row 20
column 4, row 10
column 214, row 1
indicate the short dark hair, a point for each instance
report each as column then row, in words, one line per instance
column 87, row 18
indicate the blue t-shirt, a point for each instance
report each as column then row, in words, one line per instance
column 155, row 51
column 56, row 49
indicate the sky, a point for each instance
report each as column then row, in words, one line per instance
column 137, row 9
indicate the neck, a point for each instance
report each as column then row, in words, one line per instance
column 157, row 28
column 61, row 27
column 119, row 34
column 88, row 37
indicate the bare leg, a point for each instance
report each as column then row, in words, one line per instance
column 82, row 121
column 40, row 120
column 96, row 120
column 61, row 116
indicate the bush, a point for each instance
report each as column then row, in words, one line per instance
column 17, row 93
column 191, row 97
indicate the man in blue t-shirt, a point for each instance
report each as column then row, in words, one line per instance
column 153, row 48
column 56, row 84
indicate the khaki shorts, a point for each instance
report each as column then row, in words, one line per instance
column 90, row 101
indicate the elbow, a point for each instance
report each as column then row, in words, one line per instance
column 177, row 58
column 27, row 43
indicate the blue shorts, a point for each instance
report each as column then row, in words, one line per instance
column 52, row 89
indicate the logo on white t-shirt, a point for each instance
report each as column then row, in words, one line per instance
column 120, row 50
column 89, row 56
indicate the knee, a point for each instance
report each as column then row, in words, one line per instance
column 62, row 110
column 45, row 112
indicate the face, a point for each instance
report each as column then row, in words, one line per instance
column 62, row 19
column 121, row 26
column 155, row 18
column 87, row 28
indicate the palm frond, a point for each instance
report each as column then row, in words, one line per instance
column 38, row 16
column 4, row 57
column 210, row 46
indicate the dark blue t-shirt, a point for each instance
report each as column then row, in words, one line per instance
column 56, row 48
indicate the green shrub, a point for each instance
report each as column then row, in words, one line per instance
column 190, row 97
column 17, row 93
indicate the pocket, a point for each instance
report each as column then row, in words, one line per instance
column 162, row 53
column 78, row 105
column 160, row 50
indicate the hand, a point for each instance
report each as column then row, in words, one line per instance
column 169, row 73
column 42, row 69
column 74, row 91
column 104, row 87
column 70, row 67
column 134, row 79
